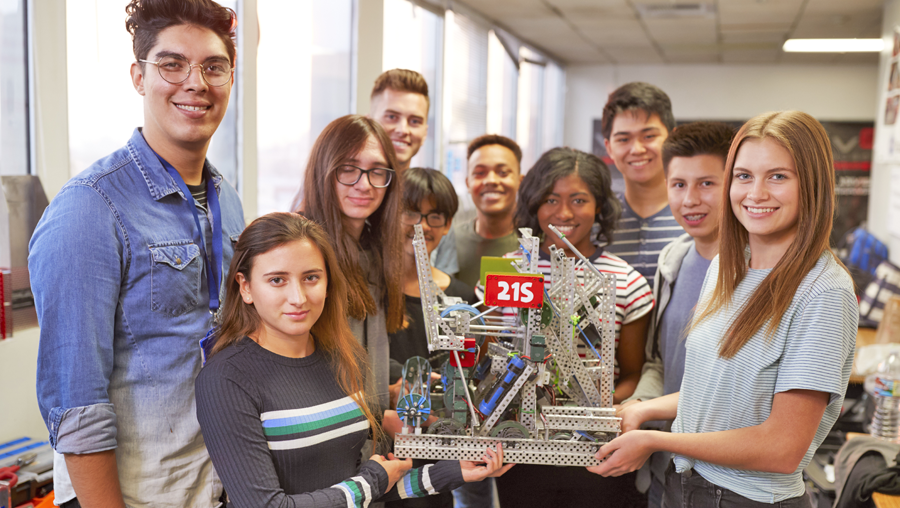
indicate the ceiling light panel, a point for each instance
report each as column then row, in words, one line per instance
column 833, row 45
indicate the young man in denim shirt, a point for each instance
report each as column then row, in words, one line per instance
column 121, row 266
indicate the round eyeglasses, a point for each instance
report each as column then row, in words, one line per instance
column 433, row 219
column 177, row 70
column 378, row 177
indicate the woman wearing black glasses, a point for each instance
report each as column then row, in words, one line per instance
column 354, row 192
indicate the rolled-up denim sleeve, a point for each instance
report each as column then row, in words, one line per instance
column 76, row 263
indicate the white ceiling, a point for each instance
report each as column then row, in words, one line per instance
column 737, row 31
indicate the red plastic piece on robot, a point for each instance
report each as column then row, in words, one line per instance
column 468, row 357
column 524, row 291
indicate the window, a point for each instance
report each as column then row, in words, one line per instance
column 14, row 149
column 531, row 94
column 503, row 79
column 304, row 82
column 465, row 93
column 413, row 39
column 554, row 104
column 103, row 106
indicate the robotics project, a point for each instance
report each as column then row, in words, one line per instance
column 535, row 352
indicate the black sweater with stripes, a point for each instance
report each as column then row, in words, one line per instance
column 282, row 433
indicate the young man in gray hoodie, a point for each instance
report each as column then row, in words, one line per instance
column 694, row 158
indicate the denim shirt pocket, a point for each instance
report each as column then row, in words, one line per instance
column 175, row 276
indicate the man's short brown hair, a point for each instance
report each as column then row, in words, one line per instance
column 495, row 139
column 698, row 138
column 401, row 80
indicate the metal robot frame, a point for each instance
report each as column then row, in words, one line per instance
column 562, row 435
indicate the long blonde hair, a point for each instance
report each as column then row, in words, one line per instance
column 331, row 331
column 806, row 140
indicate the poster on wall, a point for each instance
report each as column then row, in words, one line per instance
column 851, row 143
column 887, row 142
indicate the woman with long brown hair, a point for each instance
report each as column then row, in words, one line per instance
column 353, row 189
column 770, row 350
column 282, row 400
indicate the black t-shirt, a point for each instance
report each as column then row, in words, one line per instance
column 412, row 340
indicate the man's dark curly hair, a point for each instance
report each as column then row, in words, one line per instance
column 147, row 18
column 559, row 163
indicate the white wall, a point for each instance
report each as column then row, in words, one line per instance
column 19, row 415
column 18, row 404
column 725, row 92
column 879, row 215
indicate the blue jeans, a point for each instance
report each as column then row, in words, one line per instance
column 690, row 490
column 475, row 495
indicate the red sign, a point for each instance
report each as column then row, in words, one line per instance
column 514, row 291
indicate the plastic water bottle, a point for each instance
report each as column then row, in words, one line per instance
column 884, row 387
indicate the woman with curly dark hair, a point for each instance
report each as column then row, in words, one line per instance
column 570, row 190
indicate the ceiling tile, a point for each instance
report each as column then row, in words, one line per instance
column 745, row 31
column 578, row 53
column 682, row 31
column 756, row 27
column 754, row 36
column 589, row 4
column 538, row 27
column 833, row 25
column 750, row 55
column 756, row 11
column 617, row 26
column 608, row 11
column 614, row 34
column 634, row 56
column 691, row 58
column 502, row 10
column 842, row 6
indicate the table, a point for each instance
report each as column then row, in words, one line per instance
column 864, row 337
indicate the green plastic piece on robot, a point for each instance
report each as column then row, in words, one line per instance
column 454, row 394
column 460, row 412
column 538, row 347
column 493, row 264
column 546, row 314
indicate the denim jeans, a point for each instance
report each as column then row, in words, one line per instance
column 690, row 490
column 475, row 495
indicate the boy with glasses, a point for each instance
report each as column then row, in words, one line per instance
column 429, row 200
column 126, row 266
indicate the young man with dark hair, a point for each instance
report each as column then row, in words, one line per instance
column 400, row 104
column 637, row 119
column 493, row 179
column 694, row 161
column 127, row 265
